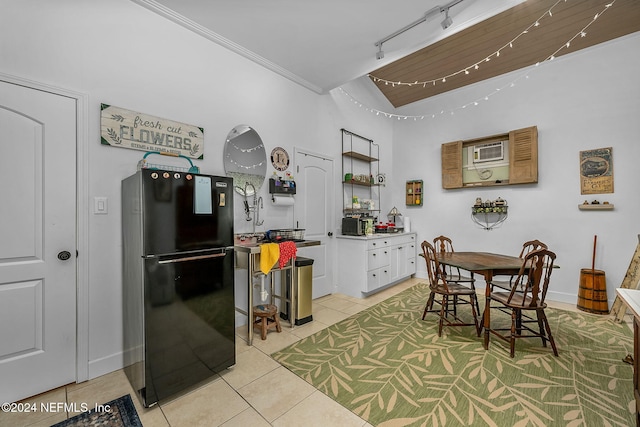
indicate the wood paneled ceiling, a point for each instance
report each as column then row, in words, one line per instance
column 472, row 46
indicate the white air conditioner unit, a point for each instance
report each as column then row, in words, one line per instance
column 488, row 152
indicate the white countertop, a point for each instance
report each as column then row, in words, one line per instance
column 374, row 236
column 631, row 298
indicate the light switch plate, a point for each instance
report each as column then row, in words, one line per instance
column 100, row 205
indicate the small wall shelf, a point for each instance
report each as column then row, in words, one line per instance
column 489, row 217
column 602, row 207
column 414, row 193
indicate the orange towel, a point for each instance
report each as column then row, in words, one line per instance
column 287, row 251
column 269, row 254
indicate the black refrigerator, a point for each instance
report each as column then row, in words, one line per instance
column 178, row 280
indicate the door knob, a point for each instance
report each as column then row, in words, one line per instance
column 64, row 255
column 330, row 234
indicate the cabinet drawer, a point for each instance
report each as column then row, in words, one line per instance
column 377, row 258
column 377, row 278
column 373, row 280
column 404, row 240
column 378, row 243
column 411, row 266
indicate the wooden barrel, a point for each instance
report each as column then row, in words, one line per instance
column 592, row 295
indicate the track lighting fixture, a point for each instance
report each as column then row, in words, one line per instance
column 447, row 21
column 434, row 11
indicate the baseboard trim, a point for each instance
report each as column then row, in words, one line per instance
column 105, row 365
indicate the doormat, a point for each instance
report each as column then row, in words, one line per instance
column 121, row 413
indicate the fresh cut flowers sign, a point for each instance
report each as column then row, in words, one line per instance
column 138, row 131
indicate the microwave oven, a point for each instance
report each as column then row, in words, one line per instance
column 354, row 226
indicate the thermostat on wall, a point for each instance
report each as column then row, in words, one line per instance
column 381, row 179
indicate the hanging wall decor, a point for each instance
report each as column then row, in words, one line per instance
column 596, row 171
column 279, row 159
column 138, row 131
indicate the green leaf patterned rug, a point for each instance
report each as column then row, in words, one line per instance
column 389, row 367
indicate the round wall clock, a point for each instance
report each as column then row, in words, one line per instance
column 280, row 158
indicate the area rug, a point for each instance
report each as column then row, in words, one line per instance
column 120, row 412
column 390, row 368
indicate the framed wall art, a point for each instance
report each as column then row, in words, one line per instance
column 596, row 171
column 139, row 131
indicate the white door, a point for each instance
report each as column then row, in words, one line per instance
column 314, row 213
column 37, row 241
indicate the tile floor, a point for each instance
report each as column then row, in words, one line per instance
column 258, row 391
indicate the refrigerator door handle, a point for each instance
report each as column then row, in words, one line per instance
column 191, row 258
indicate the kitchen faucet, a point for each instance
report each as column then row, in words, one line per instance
column 256, row 205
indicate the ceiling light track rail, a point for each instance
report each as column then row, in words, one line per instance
column 431, row 12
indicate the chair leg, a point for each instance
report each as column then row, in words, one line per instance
column 539, row 314
column 486, row 323
column 429, row 305
column 277, row 320
column 515, row 315
column 474, row 303
column 263, row 328
column 548, row 328
column 476, row 299
column 445, row 302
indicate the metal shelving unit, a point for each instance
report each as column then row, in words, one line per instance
column 360, row 167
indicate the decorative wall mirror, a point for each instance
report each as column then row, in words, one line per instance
column 245, row 159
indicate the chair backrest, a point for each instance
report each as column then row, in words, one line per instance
column 443, row 244
column 434, row 269
column 530, row 246
column 533, row 278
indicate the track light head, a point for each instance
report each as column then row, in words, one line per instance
column 430, row 13
column 447, row 21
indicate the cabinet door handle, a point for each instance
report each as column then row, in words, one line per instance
column 374, row 275
column 385, row 252
column 374, row 254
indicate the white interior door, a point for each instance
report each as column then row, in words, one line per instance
column 37, row 241
column 314, row 212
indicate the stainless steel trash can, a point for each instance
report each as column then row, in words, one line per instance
column 304, row 289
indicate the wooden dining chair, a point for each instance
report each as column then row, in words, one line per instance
column 527, row 295
column 443, row 244
column 447, row 291
column 527, row 247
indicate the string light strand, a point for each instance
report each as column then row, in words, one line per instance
column 475, row 66
column 525, row 75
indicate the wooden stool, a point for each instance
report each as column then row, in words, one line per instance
column 266, row 317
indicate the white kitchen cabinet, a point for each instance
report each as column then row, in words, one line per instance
column 402, row 258
column 369, row 263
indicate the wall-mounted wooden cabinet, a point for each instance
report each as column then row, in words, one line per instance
column 518, row 166
column 413, row 193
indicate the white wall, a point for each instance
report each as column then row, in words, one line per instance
column 587, row 100
column 122, row 54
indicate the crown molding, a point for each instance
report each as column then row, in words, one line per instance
column 224, row 42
